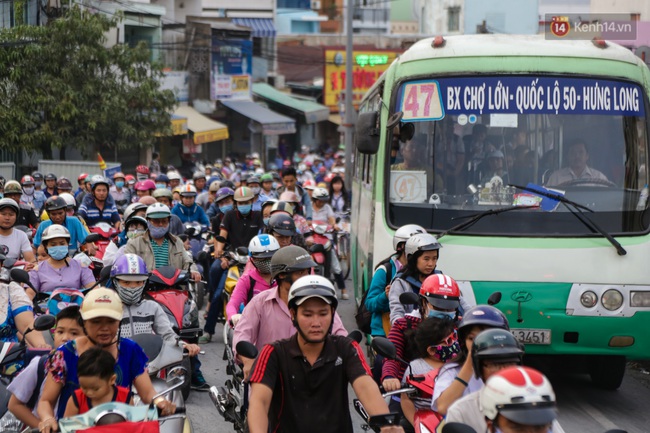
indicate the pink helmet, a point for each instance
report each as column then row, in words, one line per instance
column 145, row 185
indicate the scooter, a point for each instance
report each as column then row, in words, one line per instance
column 198, row 241
column 321, row 254
column 106, row 232
column 237, row 261
column 231, row 400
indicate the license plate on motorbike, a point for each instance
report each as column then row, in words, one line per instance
column 532, row 336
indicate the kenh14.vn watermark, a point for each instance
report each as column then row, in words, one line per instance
column 612, row 27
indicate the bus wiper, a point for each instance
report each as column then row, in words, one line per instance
column 475, row 217
column 577, row 210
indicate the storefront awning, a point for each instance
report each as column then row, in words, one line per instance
column 271, row 122
column 335, row 119
column 204, row 129
column 179, row 125
column 262, row 27
column 313, row 111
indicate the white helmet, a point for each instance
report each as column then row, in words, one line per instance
column 69, row 199
column 320, row 194
column 405, row 232
column 174, row 175
column 263, row 246
column 55, row 231
column 520, row 394
column 132, row 208
column 158, row 210
column 421, row 242
column 312, row 286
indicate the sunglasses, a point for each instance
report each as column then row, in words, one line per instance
column 451, row 339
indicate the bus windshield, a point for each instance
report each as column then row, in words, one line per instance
column 464, row 145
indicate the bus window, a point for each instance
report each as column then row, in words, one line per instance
column 457, row 162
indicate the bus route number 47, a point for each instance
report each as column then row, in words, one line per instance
column 421, row 101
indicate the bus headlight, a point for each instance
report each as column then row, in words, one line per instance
column 612, row 300
column 640, row 299
column 588, row 299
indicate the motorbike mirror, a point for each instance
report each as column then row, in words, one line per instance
column 9, row 263
column 93, row 237
column 20, row 276
column 242, row 251
column 457, row 427
column 104, row 274
column 317, row 248
column 384, row 347
column 494, row 298
column 246, row 349
column 221, row 239
column 110, row 417
column 44, row 322
column 409, row 298
column 176, row 373
column 356, row 335
column 203, row 256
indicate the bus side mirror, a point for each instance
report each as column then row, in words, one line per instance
column 366, row 137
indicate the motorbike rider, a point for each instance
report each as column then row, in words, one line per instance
column 119, row 191
column 86, row 191
column 253, row 182
column 282, row 227
column 199, row 179
column 50, row 185
column 164, row 196
column 253, row 281
column 133, row 227
column 175, row 179
column 99, row 206
column 377, row 297
column 142, row 172
column 56, row 208
column 144, row 316
column 301, row 383
column 206, row 198
column 267, row 192
column 223, row 202
column 63, row 185
column 15, row 240
column 101, row 312
column 59, row 270
column 162, row 181
column 457, row 378
column 26, row 216
column 157, row 246
column 266, row 318
column 81, row 182
column 143, row 188
column 289, row 182
column 31, row 197
column 187, row 210
column 38, row 180
column 518, row 399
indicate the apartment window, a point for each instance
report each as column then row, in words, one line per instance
column 453, row 19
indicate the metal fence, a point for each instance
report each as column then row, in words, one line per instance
column 8, row 170
column 71, row 169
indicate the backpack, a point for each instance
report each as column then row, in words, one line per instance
column 363, row 317
column 33, row 400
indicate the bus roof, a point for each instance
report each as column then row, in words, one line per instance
column 514, row 45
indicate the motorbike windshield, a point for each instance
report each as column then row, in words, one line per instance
column 464, row 144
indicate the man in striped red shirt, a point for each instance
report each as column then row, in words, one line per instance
column 300, row 384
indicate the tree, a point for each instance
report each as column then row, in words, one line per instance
column 60, row 85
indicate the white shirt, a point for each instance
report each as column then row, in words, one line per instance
column 446, row 377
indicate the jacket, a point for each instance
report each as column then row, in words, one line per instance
column 191, row 214
column 240, row 293
column 91, row 213
column 147, row 317
column 376, row 300
column 177, row 257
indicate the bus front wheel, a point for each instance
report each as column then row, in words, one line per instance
column 607, row 371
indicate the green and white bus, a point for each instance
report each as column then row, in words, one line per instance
column 528, row 159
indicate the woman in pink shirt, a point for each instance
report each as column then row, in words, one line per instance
column 256, row 279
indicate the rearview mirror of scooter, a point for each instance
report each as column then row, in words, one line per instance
column 384, row 347
column 409, row 298
column 21, row 276
column 317, row 248
column 494, row 298
column 44, row 322
column 93, row 237
column 203, row 256
column 457, row 427
column 246, row 349
column 356, row 335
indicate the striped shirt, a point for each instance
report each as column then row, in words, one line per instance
column 92, row 215
column 161, row 252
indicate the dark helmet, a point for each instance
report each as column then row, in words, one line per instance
column 63, row 183
column 495, row 344
column 228, row 184
column 282, row 224
column 50, row 176
column 484, row 315
column 55, row 203
column 37, row 175
column 290, row 259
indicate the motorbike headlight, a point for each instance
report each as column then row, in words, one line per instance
column 612, row 299
column 588, row 299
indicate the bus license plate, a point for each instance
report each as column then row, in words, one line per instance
column 532, row 336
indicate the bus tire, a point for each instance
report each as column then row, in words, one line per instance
column 607, row 372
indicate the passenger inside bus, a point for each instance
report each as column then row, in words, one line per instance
column 477, row 147
column 450, row 158
column 414, row 156
column 495, row 168
column 577, row 169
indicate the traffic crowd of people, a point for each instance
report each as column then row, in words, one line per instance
column 278, row 304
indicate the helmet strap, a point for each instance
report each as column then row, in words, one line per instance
column 119, row 332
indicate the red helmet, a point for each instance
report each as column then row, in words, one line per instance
column 142, row 169
column 286, row 163
column 441, row 291
column 329, row 177
column 129, row 178
column 82, row 176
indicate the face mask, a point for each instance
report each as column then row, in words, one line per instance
column 127, row 295
column 225, row 208
column 256, row 190
column 451, row 315
column 161, row 185
column 119, row 184
column 29, row 190
column 38, row 184
column 157, row 232
column 446, row 353
column 58, row 253
column 266, row 221
column 244, row 209
column 134, row 233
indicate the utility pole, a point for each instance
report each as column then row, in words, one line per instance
column 350, row 114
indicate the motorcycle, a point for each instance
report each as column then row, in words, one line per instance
column 165, row 363
column 12, row 357
column 231, row 400
column 421, row 385
column 237, row 261
column 342, row 243
column 198, row 236
column 106, row 233
column 321, row 247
